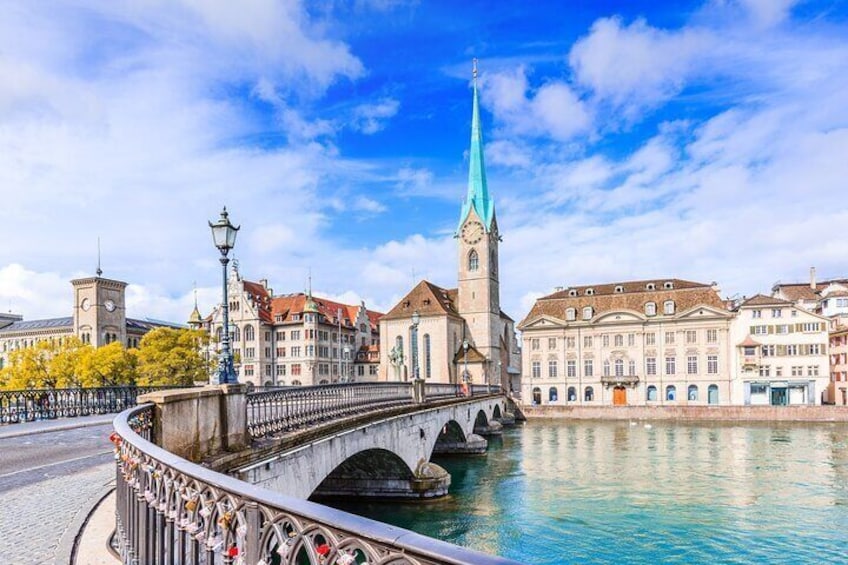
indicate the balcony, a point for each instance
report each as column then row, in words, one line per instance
column 622, row 380
column 750, row 360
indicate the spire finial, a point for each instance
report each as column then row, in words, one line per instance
column 99, row 271
column 474, row 70
column 309, row 287
column 194, row 284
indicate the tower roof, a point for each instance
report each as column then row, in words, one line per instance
column 478, row 191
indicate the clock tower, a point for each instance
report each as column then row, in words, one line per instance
column 478, row 239
column 100, row 315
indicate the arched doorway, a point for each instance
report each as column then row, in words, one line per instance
column 619, row 396
column 537, row 396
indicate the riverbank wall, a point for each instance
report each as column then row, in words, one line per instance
column 691, row 413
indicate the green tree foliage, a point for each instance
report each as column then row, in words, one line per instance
column 168, row 356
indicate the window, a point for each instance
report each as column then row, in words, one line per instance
column 606, row 367
column 588, row 367
column 669, row 338
column 765, row 370
column 652, row 393
column 619, row 340
column 793, row 313
column 650, row 339
column 631, row 340
column 619, row 289
column 668, row 307
column 768, row 350
column 712, row 336
column 551, row 343
column 552, row 369
column 571, row 368
column 605, row 340
column 810, row 327
column 295, row 351
column 572, row 292
column 249, row 333
column 712, row 394
column 619, row 367
column 692, row 365
column 651, row 366
column 587, row 341
column 587, row 313
column 552, row 394
column 782, row 329
column 569, row 342
column 473, row 260
column 651, row 309
column 759, row 330
column 267, row 370
column 428, row 366
column 650, row 286
column 670, row 392
column 797, row 371
column 692, row 393
column 571, row 314
column 572, row 394
column 775, row 312
column 778, row 371
column 250, row 352
column 792, row 350
column 813, row 371
column 534, row 344
column 537, row 369
column 588, row 394
column 712, row 364
column 281, row 370
column 668, row 285
column 670, row 365
column 815, row 349
column 632, row 368
column 756, row 313
column 691, row 336
column 590, row 291
column 295, row 370
column 235, row 335
column 281, row 336
column 295, row 335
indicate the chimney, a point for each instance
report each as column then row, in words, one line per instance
column 813, row 278
column 716, row 288
column 264, row 283
column 558, row 289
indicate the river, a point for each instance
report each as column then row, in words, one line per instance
column 555, row 492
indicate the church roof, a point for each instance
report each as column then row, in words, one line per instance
column 474, row 356
column 478, row 191
column 428, row 299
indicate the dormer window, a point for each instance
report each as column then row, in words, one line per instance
column 572, row 292
column 651, row 309
column 571, row 314
column 650, row 286
column 587, row 313
column 668, row 285
column 619, row 289
column 668, row 307
column 590, row 291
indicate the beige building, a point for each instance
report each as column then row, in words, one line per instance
column 653, row 342
column 462, row 335
column 838, row 388
column 99, row 318
column 781, row 353
column 294, row 339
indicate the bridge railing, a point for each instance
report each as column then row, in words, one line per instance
column 170, row 510
column 51, row 403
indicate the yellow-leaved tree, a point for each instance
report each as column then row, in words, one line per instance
column 173, row 357
column 64, row 366
column 110, row 365
column 28, row 367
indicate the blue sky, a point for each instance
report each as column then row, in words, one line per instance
column 703, row 140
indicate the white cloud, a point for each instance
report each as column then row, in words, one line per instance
column 371, row 118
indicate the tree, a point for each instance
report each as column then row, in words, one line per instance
column 168, row 356
column 110, row 365
column 64, row 366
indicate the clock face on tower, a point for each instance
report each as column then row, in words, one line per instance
column 110, row 306
column 472, row 232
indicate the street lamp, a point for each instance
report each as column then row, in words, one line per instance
column 416, row 318
column 465, row 376
column 347, row 376
column 224, row 236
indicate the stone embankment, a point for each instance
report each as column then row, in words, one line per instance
column 692, row 413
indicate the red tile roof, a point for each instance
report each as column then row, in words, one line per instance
column 763, row 300
column 287, row 306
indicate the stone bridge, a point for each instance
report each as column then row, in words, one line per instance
column 386, row 457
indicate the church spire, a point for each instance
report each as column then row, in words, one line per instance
column 478, row 192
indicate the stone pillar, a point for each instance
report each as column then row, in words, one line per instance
column 473, row 445
column 197, row 423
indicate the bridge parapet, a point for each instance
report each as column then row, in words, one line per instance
column 170, row 510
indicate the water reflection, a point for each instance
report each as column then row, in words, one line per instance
column 612, row 492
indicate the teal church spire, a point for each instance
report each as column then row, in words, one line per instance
column 478, row 193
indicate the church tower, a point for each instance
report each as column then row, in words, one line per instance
column 478, row 238
column 100, row 315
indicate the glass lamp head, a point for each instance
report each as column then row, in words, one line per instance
column 224, row 233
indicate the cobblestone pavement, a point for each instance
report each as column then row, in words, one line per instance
column 46, row 479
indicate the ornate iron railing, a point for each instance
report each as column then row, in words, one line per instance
column 171, row 511
column 51, row 403
column 291, row 408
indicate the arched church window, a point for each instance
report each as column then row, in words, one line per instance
column 473, row 260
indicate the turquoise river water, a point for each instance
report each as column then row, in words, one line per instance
column 554, row 492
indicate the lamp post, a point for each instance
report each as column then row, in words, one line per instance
column 224, row 236
column 347, row 365
column 416, row 318
column 465, row 375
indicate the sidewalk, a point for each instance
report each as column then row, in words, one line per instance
column 92, row 543
column 57, row 425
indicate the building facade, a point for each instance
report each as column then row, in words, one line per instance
column 781, row 353
column 460, row 334
column 656, row 342
column 838, row 387
column 99, row 318
column 294, row 339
